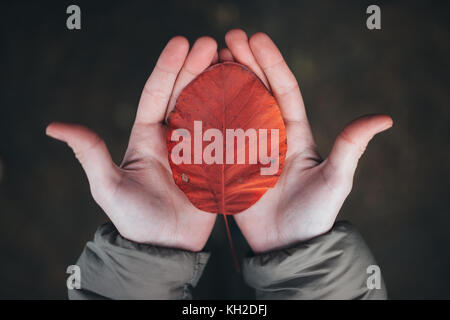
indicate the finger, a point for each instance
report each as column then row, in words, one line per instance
column 225, row 55
column 281, row 80
column 352, row 142
column 156, row 94
column 237, row 42
column 89, row 149
column 216, row 58
column 200, row 58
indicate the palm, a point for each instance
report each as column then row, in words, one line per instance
column 289, row 212
column 147, row 194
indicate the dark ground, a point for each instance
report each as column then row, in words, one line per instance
column 95, row 76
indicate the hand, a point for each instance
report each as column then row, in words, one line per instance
column 310, row 192
column 140, row 197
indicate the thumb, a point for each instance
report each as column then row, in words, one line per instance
column 90, row 150
column 352, row 142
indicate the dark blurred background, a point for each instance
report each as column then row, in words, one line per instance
column 95, row 75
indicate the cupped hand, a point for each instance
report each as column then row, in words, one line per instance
column 140, row 196
column 310, row 191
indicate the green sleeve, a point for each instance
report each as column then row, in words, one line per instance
column 113, row 267
column 331, row 266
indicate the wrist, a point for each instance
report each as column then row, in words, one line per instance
column 283, row 241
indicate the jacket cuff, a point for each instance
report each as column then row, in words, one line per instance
column 116, row 268
column 331, row 266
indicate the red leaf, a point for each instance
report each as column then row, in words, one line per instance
column 225, row 96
